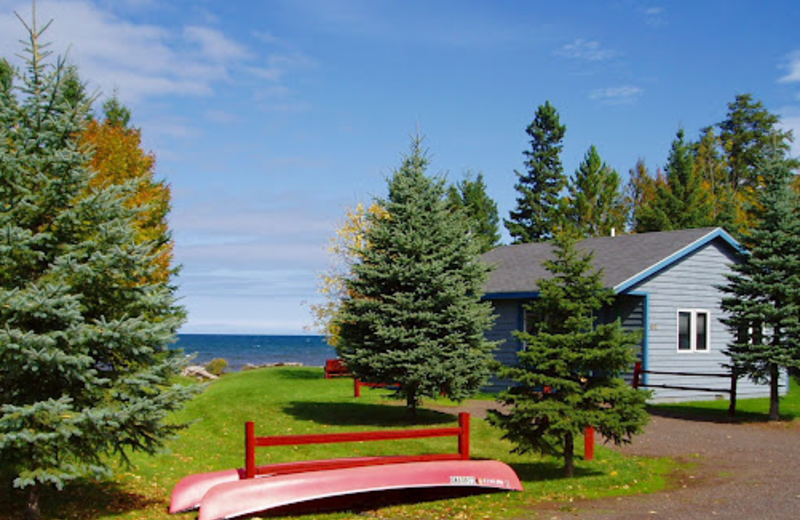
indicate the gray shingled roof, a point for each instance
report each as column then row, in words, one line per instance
column 623, row 258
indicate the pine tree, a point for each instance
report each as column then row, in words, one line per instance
column 568, row 376
column 711, row 167
column 764, row 289
column 470, row 197
column 537, row 215
column 596, row 206
column 84, row 358
column 682, row 202
column 413, row 314
column 641, row 195
column 750, row 137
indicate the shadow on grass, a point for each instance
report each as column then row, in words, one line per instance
column 700, row 413
column 550, row 470
column 357, row 414
column 304, row 373
column 84, row 500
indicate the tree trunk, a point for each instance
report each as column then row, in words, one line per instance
column 32, row 510
column 569, row 455
column 774, row 396
column 411, row 407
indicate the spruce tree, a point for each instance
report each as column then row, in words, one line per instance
column 470, row 197
column 682, row 202
column 412, row 314
column 84, row 358
column 568, row 375
column 596, row 205
column 763, row 305
column 537, row 215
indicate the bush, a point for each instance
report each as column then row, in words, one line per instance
column 216, row 366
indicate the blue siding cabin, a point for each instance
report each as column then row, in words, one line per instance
column 666, row 286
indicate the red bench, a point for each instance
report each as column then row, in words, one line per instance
column 336, row 368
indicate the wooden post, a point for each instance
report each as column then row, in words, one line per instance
column 734, row 378
column 588, row 443
column 637, row 373
column 356, row 387
column 463, row 437
column 250, row 449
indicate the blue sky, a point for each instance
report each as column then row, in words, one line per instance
column 269, row 118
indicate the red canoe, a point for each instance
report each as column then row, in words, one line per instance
column 226, row 496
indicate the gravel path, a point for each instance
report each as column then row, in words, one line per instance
column 741, row 471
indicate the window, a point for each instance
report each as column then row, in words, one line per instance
column 693, row 331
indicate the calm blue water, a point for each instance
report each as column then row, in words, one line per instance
column 240, row 350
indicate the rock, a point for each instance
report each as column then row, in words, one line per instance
column 198, row 372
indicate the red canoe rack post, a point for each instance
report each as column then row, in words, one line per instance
column 252, row 442
column 250, row 449
column 637, row 373
column 588, row 443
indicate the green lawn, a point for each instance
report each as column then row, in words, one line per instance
column 299, row 400
column 749, row 410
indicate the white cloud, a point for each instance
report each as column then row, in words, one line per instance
column 617, row 95
column 145, row 60
column 586, row 50
column 790, row 120
column 215, row 45
column 654, row 16
column 793, row 67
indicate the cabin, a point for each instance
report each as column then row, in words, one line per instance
column 666, row 285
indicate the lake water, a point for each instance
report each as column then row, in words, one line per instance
column 239, row 350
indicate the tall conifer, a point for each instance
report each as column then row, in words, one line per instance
column 470, row 197
column 537, row 215
column 568, row 374
column 84, row 363
column 413, row 313
column 596, row 206
column 682, row 202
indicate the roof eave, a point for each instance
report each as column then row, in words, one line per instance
column 677, row 256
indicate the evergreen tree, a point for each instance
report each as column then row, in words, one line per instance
column 682, row 202
column 470, row 197
column 119, row 158
column 413, row 314
column 568, row 376
column 6, row 76
column 84, row 358
column 537, row 215
column 596, row 205
column 763, row 305
column 711, row 167
column 750, row 137
column 641, row 195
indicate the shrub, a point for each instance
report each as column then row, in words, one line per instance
column 216, row 366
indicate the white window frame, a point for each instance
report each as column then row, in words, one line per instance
column 692, row 331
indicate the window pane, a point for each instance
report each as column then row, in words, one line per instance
column 701, row 331
column 684, row 334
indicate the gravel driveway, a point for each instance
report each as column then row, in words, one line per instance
column 741, row 471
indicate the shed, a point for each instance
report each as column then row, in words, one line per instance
column 666, row 285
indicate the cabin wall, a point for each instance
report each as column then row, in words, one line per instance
column 690, row 284
column 509, row 319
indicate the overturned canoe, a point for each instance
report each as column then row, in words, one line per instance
column 247, row 496
column 189, row 491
